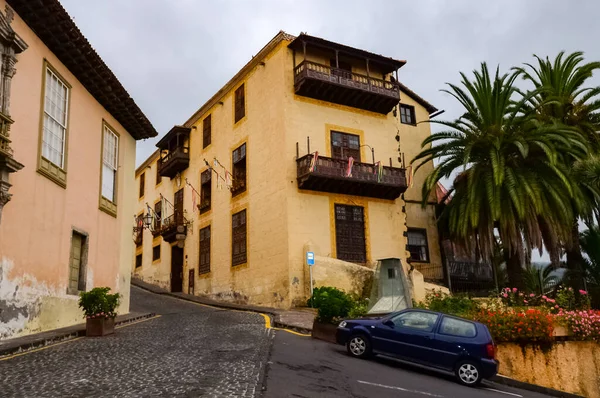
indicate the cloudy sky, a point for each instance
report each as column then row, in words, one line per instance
column 173, row 55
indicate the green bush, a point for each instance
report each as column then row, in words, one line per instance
column 359, row 308
column 459, row 305
column 98, row 303
column 332, row 304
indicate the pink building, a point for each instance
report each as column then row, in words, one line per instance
column 68, row 132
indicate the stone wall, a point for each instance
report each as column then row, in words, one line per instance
column 349, row 277
column 570, row 366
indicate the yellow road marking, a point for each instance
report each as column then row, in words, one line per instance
column 69, row 340
column 38, row 349
column 293, row 332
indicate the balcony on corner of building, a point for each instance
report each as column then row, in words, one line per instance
column 174, row 152
column 329, row 71
column 366, row 179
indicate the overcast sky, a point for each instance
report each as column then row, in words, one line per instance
column 173, row 55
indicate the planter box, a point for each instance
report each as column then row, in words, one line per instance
column 324, row 331
column 96, row 327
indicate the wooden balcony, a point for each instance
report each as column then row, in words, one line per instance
column 339, row 86
column 329, row 175
column 173, row 228
column 174, row 161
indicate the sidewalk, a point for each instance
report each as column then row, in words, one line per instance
column 299, row 319
column 36, row 340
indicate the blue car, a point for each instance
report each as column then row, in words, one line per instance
column 425, row 338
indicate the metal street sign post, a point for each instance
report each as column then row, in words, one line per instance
column 310, row 261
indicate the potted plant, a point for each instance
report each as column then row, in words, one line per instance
column 332, row 306
column 99, row 310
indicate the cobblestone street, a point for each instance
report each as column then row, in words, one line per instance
column 189, row 351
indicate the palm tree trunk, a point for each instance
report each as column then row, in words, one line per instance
column 514, row 268
column 575, row 259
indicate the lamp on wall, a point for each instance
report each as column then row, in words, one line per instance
column 148, row 220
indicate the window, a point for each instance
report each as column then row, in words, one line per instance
column 457, row 327
column 205, row 190
column 110, row 159
column 157, row 216
column 424, row 321
column 240, row 103
column 239, row 170
column 156, row 253
column 139, row 239
column 345, row 145
column 407, row 114
column 350, row 233
column 178, row 208
column 138, row 260
column 238, row 238
column 158, row 176
column 142, row 184
column 204, row 251
column 56, row 97
column 206, row 131
column 77, row 263
column 417, row 245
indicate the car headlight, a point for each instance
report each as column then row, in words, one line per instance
column 342, row 324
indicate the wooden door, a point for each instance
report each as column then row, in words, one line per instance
column 176, row 269
column 350, row 233
column 178, row 207
column 76, row 266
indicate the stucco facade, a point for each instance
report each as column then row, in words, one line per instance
column 44, row 213
column 282, row 219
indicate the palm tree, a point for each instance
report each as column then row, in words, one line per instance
column 590, row 244
column 561, row 96
column 510, row 178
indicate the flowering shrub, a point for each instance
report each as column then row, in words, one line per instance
column 585, row 325
column 531, row 326
column 514, row 298
column 459, row 305
column 97, row 303
column 569, row 299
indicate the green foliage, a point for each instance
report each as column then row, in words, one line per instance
column 459, row 305
column 99, row 303
column 570, row 299
column 590, row 245
column 359, row 308
column 332, row 304
column 540, row 280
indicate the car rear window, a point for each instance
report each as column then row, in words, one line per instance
column 457, row 327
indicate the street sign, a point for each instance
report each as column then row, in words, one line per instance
column 310, row 258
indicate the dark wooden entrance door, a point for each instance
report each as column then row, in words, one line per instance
column 176, row 269
column 350, row 233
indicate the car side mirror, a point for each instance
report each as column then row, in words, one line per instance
column 388, row 322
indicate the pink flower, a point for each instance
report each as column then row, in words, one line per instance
column 505, row 295
column 556, row 306
column 582, row 292
column 514, row 289
column 525, row 301
column 532, row 295
column 544, row 297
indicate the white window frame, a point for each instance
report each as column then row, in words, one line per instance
column 107, row 131
column 50, row 75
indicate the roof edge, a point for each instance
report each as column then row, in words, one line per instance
column 147, row 162
column 429, row 107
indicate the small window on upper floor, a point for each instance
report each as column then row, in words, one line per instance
column 206, row 131
column 205, row 191
column 407, row 114
column 239, row 170
column 417, row 245
column 158, row 176
column 110, row 157
column 142, row 185
column 240, row 103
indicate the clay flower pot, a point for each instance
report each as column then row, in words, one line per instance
column 99, row 326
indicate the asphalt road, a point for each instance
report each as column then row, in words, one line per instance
column 190, row 351
column 302, row 367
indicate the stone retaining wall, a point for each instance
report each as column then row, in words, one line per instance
column 570, row 366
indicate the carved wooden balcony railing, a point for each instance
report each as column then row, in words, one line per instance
column 329, row 175
column 174, row 161
column 342, row 87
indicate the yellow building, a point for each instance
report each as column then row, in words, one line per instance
column 68, row 132
column 262, row 174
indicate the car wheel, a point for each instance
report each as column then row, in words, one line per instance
column 468, row 373
column 359, row 346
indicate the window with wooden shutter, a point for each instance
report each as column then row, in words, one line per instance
column 238, row 238
column 142, row 185
column 205, row 190
column 350, row 233
column 239, row 170
column 156, row 253
column 158, row 176
column 206, row 131
column 178, row 207
column 110, row 157
column 240, row 103
column 139, row 239
column 345, row 145
column 157, row 216
column 204, row 267
column 77, row 263
column 138, row 260
column 417, row 245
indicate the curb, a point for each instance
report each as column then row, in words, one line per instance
column 507, row 381
column 228, row 306
column 75, row 331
